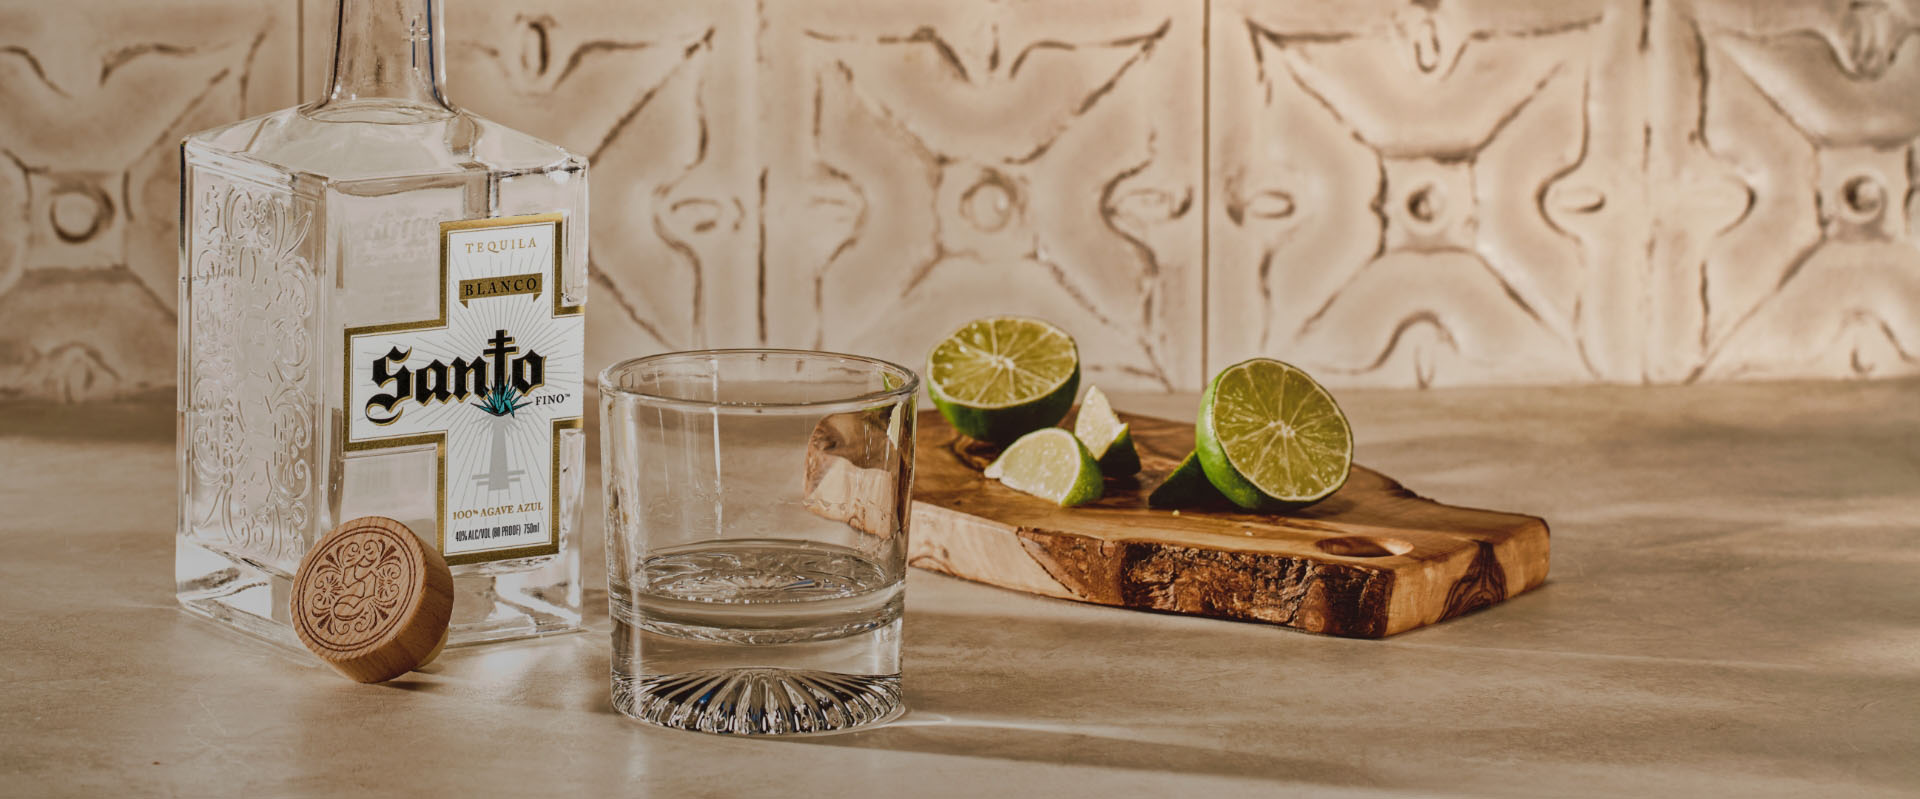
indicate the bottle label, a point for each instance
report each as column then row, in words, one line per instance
column 490, row 384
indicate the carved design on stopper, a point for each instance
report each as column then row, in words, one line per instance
column 355, row 587
column 371, row 600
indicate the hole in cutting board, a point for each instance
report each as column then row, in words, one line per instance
column 1355, row 546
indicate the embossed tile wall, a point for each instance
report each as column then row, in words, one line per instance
column 1389, row 192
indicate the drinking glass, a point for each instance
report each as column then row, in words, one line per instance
column 756, row 517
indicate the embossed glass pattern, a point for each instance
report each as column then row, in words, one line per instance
column 757, row 505
column 248, row 374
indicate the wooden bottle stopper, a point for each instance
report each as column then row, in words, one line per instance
column 371, row 600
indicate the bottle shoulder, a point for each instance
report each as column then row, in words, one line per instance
column 381, row 143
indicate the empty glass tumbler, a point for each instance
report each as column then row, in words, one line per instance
column 757, row 505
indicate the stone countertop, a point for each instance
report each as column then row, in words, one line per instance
column 1733, row 610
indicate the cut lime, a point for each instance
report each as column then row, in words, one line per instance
column 1186, row 487
column 999, row 378
column 1270, row 436
column 1109, row 439
column 1050, row 464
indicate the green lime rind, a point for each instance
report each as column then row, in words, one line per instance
column 1120, row 459
column 1001, row 425
column 1109, row 439
column 1185, row 487
column 1050, row 464
column 1269, row 437
column 998, row 378
column 1214, row 465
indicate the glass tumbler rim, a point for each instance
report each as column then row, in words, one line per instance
column 910, row 381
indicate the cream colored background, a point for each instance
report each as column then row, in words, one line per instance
column 1389, row 193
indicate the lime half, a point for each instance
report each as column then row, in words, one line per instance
column 1109, row 439
column 1185, row 487
column 1050, row 464
column 1268, row 435
column 999, row 378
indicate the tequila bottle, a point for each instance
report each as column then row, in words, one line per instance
column 380, row 314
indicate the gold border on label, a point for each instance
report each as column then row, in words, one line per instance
column 439, row 440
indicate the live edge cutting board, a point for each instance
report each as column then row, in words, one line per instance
column 1372, row 560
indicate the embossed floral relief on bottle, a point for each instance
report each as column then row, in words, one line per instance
column 250, row 392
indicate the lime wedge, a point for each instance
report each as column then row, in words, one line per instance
column 1185, row 487
column 1050, row 464
column 999, row 378
column 1109, row 439
column 1269, row 436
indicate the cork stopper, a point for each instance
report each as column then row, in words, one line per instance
column 371, row 600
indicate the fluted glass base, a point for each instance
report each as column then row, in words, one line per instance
column 760, row 701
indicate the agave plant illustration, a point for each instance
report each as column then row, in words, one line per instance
column 502, row 400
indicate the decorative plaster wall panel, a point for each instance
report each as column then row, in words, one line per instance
column 1412, row 194
column 1388, row 192
column 96, row 98
column 1806, row 115
column 928, row 162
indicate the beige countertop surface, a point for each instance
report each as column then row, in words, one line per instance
column 1733, row 610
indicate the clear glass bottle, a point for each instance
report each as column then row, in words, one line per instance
column 380, row 314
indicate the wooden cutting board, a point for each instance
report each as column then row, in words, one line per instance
column 1372, row 560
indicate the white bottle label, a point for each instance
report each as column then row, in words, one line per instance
column 490, row 383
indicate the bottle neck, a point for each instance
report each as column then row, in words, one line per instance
column 388, row 50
